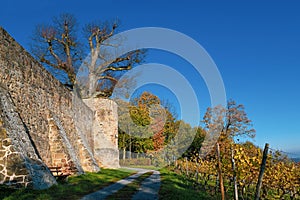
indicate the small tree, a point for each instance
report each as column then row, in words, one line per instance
column 231, row 121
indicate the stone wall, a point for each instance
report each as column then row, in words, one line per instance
column 105, row 132
column 58, row 124
column 20, row 164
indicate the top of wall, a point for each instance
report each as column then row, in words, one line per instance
column 10, row 47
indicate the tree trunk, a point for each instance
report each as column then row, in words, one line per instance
column 124, row 148
column 92, row 84
column 124, row 153
column 261, row 172
column 220, row 172
column 130, row 148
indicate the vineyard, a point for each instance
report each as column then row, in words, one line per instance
column 216, row 162
column 240, row 168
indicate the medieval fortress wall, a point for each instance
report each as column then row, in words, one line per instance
column 44, row 124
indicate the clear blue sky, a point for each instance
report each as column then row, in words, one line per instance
column 255, row 44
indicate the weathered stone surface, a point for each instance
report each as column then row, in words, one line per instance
column 105, row 131
column 6, row 142
column 17, row 147
column 19, row 179
column 39, row 173
column 2, row 153
column 2, row 176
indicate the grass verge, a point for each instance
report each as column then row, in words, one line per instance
column 75, row 188
column 129, row 190
column 175, row 186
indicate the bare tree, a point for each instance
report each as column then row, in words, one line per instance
column 57, row 45
column 102, row 63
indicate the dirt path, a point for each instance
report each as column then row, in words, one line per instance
column 148, row 190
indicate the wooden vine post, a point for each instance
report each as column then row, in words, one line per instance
column 187, row 166
column 220, row 172
column 261, row 172
column 236, row 196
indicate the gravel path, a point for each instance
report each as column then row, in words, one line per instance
column 148, row 190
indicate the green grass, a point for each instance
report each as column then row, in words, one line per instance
column 129, row 190
column 175, row 186
column 75, row 188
